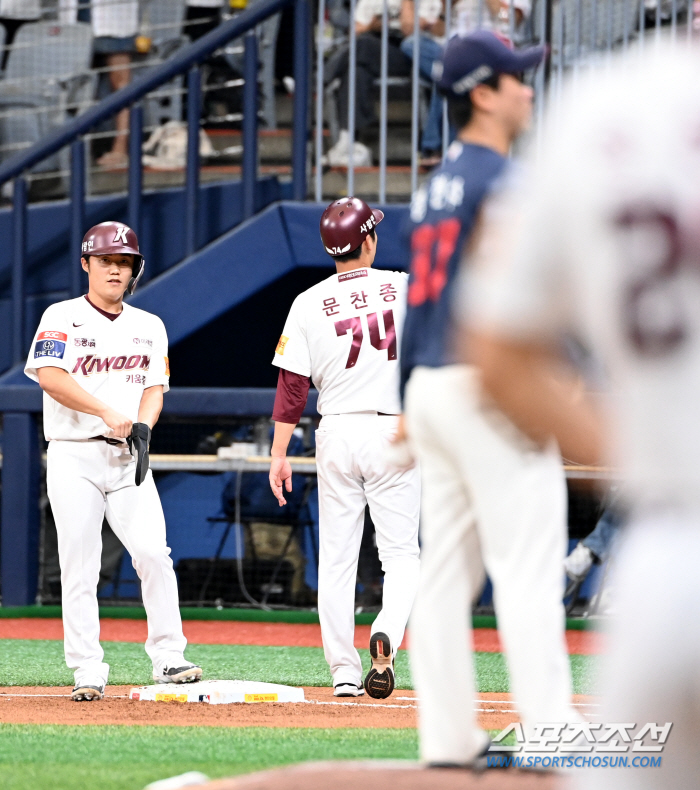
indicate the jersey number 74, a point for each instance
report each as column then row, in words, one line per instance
column 354, row 325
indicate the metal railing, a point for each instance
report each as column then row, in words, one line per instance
column 577, row 33
column 185, row 61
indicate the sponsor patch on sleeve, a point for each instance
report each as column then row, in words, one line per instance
column 281, row 345
column 167, row 366
column 50, row 344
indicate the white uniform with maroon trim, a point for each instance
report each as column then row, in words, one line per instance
column 609, row 248
column 114, row 360
column 345, row 333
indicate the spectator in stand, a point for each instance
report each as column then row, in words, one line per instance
column 368, row 27
column 14, row 14
column 115, row 25
column 202, row 17
column 495, row 15
column 430, row 44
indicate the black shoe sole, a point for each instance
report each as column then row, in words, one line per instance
column 88, row 695
column 379, row 683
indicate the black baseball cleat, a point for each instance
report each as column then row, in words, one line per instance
column 379, row 682
column 87, row 693
column 183, row 673
column 485, row 759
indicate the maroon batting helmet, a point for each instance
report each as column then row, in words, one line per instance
column 115, row 238
column 346, row 223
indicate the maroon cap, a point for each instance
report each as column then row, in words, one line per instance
column 346, row 223
column 114, row 238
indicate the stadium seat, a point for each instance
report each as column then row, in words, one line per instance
column 47, row 75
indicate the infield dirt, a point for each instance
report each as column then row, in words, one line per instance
column 52, row 705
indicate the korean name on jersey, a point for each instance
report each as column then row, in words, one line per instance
column 345, row 333
column 112, row 360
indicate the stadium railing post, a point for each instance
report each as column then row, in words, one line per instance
column 135, row 169
column 194, row 96
column 77, row 207
column 250, row 123
column 302, row 67
column 19, row 243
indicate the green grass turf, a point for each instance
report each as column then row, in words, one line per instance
column 34, row 757
column 36, row 662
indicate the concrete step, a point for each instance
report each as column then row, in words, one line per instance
column 334, row 182
column 275, row 145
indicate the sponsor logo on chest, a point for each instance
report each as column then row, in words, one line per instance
column 143, row 341
column 91, row 364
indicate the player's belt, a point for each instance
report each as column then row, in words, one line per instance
column 106, row 439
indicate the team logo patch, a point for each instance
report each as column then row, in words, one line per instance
column 281, row 345
column 352, row 275
column 49, row 348
column 167, row 366
column 50, row 344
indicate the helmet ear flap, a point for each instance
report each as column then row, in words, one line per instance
column 134, row 281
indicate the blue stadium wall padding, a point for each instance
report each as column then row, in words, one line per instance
column 18, row 393
column 246, row 259
column 161, row 239
column 162, row 235
column 302, row 223
column 223, row 274
column 218, row 277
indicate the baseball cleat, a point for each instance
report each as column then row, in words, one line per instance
column 85, row 692
column 379, row 682
column 184, row 672
column 348, row 690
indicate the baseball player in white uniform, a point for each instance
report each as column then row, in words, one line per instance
column 344, row 334
column 616, row 260
column 103, row 366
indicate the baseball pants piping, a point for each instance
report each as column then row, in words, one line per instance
column 490, row 502
column 350, row 450
column 85, row 482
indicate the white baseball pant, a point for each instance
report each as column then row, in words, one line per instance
column 352, row 472
column 86, row 481
column 491, row 501
column 650, row 671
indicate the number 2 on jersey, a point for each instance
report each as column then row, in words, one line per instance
column 354, row 325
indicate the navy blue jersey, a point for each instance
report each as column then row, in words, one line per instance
column 443, row 212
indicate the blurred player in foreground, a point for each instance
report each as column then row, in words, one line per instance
column 343, row 334
column 103, row 366
column 491, row 499
column 608, row 247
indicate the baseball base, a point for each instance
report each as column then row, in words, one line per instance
column 218, row 692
